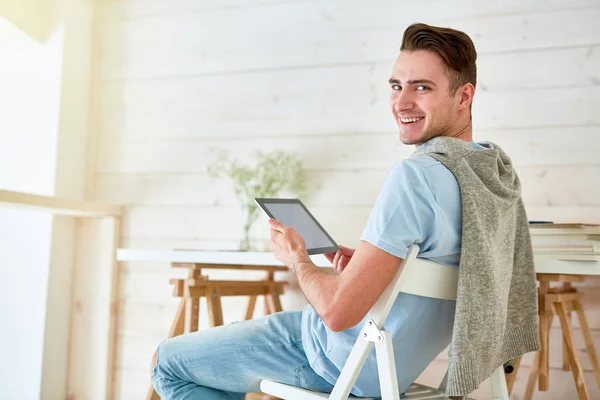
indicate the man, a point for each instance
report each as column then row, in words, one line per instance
column 432, row 87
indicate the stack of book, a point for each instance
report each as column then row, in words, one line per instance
column 576, row 242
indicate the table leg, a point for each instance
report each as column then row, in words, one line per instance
column 571, row 350
column 274, row 302
column 250, row 308
column 543, row 379
column 566, row 366
column 533, row 375
column 215, row 311
column 177, row 326
column 589, row 342
column 192, row 314
column 268, row 309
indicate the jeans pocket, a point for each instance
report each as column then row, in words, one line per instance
column 307, row 378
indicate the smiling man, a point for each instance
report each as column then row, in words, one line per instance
column 458, row 200
column 426, row 100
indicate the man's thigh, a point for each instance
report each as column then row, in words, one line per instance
column 236, row 357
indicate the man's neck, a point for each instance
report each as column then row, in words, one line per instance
column 463, row 130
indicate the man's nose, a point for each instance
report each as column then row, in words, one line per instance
column 403, row 101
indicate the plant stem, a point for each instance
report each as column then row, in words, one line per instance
column 251, row 214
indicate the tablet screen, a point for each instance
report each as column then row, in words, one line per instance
column 293, row 213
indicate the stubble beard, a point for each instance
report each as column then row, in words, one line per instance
column 440, row 129
column 427, row 134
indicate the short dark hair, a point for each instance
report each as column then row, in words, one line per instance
column 454, row 47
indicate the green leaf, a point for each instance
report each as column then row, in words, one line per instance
column 272, row 173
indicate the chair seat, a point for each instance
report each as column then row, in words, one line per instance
column 415, row 392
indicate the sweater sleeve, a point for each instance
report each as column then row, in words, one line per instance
column 405, row 212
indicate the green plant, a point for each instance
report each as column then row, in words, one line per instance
column 273, row 173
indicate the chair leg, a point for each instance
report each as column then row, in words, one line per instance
column 510, row 379
column 498, row 381
column 352, row 367
column 386, row 367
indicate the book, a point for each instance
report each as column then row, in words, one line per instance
column 563, row 225
column 565, row 229
column 549, row 243
column 567, row 257
column 565, row 238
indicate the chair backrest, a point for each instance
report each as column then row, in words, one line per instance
column 420, row 277
column 430, row 279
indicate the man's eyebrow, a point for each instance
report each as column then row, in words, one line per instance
column 413, row 82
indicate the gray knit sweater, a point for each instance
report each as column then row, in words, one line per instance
column 497, row 303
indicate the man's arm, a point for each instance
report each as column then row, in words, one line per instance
column 343, row 300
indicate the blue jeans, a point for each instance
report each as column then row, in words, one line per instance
column 228, row 361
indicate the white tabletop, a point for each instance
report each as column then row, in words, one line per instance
column 545, row 266
column 210, row 257
column 268, row 259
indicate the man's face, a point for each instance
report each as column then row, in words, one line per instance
column 420, row 101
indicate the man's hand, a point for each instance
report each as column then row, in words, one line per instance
column 287, row 244
column 340, row 258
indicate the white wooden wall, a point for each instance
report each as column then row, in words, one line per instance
column 177, row 79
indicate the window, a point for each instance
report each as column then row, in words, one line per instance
column 30, row 74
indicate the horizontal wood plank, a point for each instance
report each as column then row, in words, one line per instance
column 176, row 233
column 160, row 47
column 541, row 186
column 344, row 224
column 327, row 188
column 294, row 103
column 113, row 10
column 377, row 150
column 205, row 227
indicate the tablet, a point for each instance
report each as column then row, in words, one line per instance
column 292, row 212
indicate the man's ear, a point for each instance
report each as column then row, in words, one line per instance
column 465, row 96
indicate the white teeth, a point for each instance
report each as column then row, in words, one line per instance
column 408, row 120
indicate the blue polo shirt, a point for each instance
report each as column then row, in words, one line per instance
column 419, row 203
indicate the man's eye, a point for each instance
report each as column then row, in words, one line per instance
column 422, row 88
column 396, row 87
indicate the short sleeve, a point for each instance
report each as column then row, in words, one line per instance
column 405, row 212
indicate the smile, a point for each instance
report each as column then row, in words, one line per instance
column 410, row 120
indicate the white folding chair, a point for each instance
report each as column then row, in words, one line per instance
column 420, row 277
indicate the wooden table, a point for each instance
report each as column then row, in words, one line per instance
column 561, row 300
